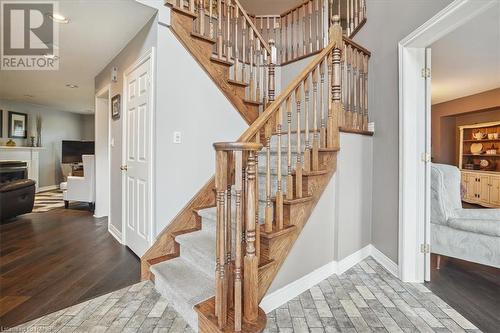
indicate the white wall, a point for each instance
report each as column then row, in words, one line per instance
column 145, row 39
column 189, row 102
column 56, row 126
column 388, row 22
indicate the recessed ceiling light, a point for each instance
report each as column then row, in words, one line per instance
column 58, row 18
column 29, row 96
column 72, row 86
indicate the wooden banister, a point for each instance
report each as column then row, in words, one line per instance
column 253, row 27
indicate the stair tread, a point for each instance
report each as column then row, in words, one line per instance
column 238, row 83
column 203, row 37
column 185, row 280
column 221, row 61
column 200, row 241
column 249, row 101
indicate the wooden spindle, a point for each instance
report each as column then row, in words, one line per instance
column 343, row 67
column 191, row 6
column 201, row 16
column 356, row 14
column 257, row 212
column 251, row 59
column 228, row 30
column 236, row 47
column 303, row 28
column 336, row 36
column 229, row 269
column 238, row 296
column 272, row 71
column 279, row 192
column 348, row 18
column 221, row 287
column 258, row 67
column 355, row 81
column 243, row 50
column 310, row 7
column 298, row 165
column 348, row 117
column 318, row 23
column 289, row 177
column 322, row 105
column 250, row 276
column 329, row 103
column 307, row 147
column 219, row 29
column 268, row 226
column 365, row 95
column 210, row 19
column 315, row 145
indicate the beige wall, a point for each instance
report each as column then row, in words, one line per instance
column 389, row 21
column 447, row 116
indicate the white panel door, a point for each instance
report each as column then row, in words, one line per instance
column 427, row 221
column 137, row 159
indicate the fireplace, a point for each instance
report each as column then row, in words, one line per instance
column 12, row 170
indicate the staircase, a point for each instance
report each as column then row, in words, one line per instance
column 244, row 221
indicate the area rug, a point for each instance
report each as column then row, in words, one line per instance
column 46, row 201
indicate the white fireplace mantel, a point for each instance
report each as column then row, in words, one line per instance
column 30, row 155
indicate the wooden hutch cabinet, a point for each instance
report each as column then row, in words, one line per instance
column 479, row 162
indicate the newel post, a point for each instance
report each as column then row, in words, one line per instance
column 272, row 71
column 336, row 92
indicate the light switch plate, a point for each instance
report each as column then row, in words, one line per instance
column 177, row 137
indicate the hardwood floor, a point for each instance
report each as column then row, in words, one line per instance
column 471, row 289
column 52, row 260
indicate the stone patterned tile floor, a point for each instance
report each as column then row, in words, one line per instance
column 366, row 298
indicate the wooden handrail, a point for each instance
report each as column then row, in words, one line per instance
column 252, row 25
column 360, row 48
column 259, row 123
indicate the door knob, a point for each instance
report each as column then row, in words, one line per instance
column 124, row 168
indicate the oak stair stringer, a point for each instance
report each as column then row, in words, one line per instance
column 200, row 48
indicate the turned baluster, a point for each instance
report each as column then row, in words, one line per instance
column 219, row 29
column 336, row 36
column 250, row 277
column 322, row 104
column 356, row 13
column 307, row 147
column 365, row 91
column 348, row 117
column 251, row 59
column 318, row 23
column 191, row 6
column 315, row 145
column 279, row 192
column 201, row 16
column 238, row 297
column 355, row 81
column 236, row 48
column 220, row 278
column 361, row 78
column 228, row 236
column 329, row 108
column 298, row 165
column 265, row 78
column 243, row 50
column 210, row 19
column 343, row 68
column 303, row 29
column 272, row 71
column 289, row 177
column 257, row 195
column 297, row 32
column 310, row 7
column 258, row 61
column 228, row 30
column 268, row 226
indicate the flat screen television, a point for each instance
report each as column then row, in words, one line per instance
column 72, row 151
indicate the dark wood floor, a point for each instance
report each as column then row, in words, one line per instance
column 473, row 290
column 49, row 261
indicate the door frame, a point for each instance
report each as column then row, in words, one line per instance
column 107, row 171
column 148, row 55
column 413, row 192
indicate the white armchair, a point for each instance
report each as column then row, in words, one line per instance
column 81, row 188
column 467, row 234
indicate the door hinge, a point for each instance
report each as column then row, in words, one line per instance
column 426, row 72
column 425, row 248
column 426, row 157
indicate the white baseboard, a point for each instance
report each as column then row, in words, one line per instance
column 290, row 291
column 383, row 260
column 115, row 233
column 47, row 188
column 353, row 259
column 297, row 287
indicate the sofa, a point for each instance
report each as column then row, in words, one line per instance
column 468, row 234
column 16, row 198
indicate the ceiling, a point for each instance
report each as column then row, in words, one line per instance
column 96, row 33
column 268, row 7
column 467, row 60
